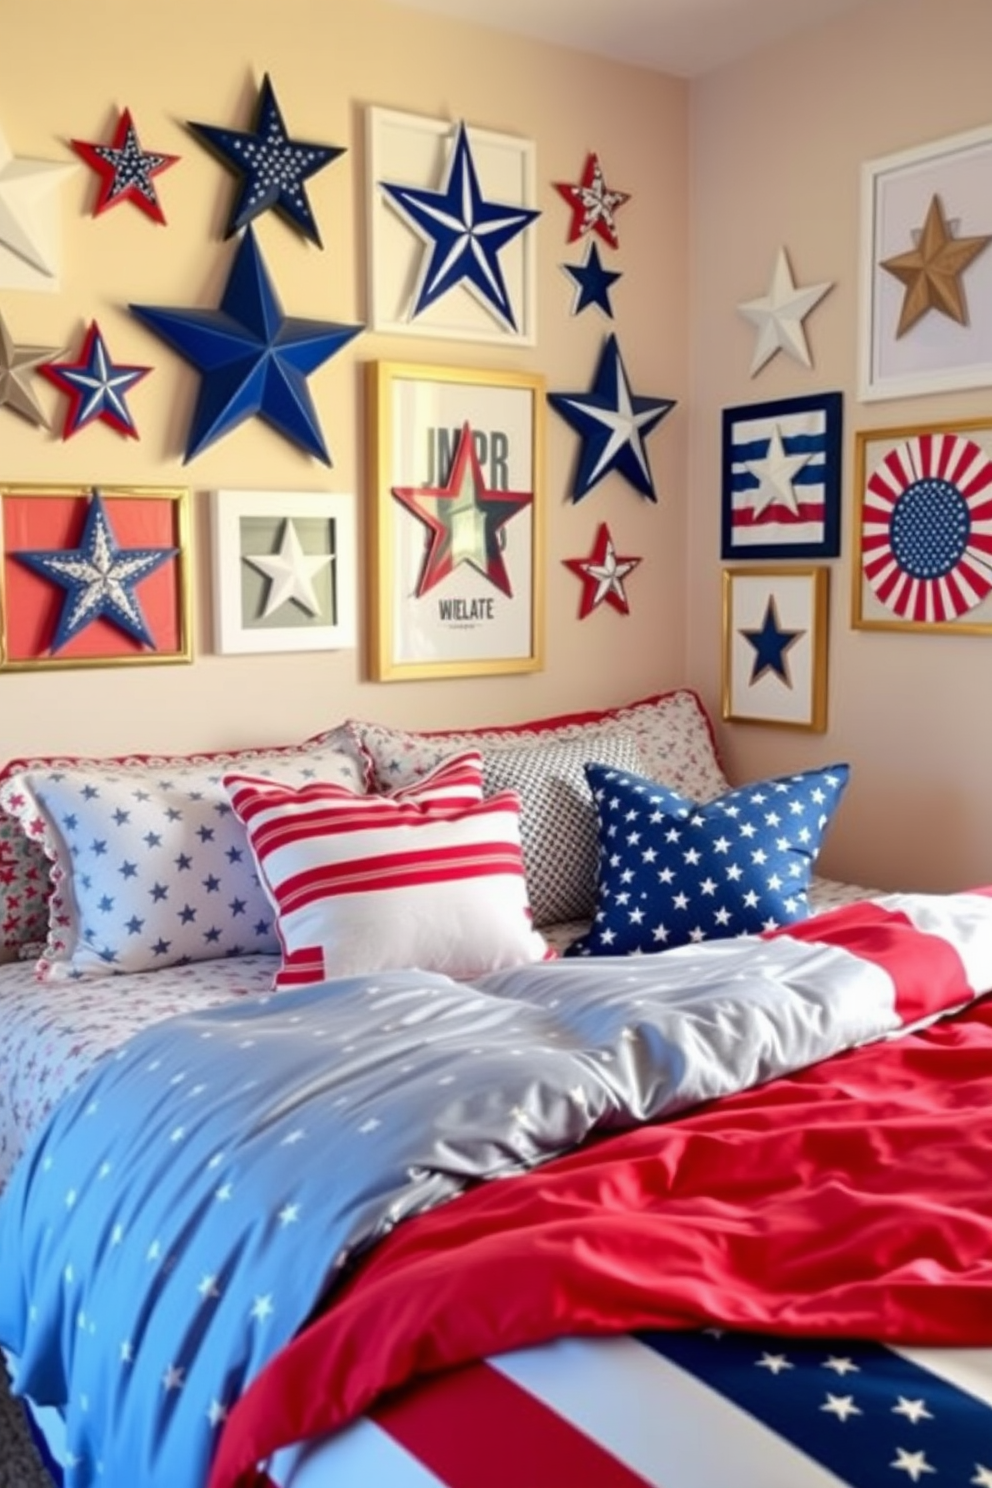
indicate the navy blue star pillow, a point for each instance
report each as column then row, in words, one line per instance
column 673, row 871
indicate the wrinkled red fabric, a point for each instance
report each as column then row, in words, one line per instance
column 853, row 1199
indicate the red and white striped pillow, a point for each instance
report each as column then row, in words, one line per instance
column 430, row 876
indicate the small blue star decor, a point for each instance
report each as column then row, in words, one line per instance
column 593, row 283
column 464, row 233
column 771, row 645
column 96, row 387
column 252, row 359
column 98, row 577
column 272, row 167
column 613, row 423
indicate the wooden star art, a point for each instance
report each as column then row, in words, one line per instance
column 932, row 270
column 16, row 365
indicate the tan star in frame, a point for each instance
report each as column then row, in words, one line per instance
column 932, row 270
column 16, row 362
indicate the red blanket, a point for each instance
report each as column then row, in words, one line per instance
column 852, row 1199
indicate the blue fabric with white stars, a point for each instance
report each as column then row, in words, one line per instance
column 673, row 871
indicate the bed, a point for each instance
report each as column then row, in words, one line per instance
column 425, row 1168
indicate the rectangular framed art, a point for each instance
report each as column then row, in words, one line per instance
column 456, row 521
column 427, row 277
column 284, row 567
column 781, row 478
column 926, row 269
column 775, row 646
column 922, row 552
column 94, row 576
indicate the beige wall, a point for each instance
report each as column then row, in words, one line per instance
column 777, row 148
column 190, row 60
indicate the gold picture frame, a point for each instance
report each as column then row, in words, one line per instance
column 456, row 521
column 775, row 646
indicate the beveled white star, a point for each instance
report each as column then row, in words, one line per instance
column 775, row 472
column 779, row 316
column 290, row 572
column 28, row 219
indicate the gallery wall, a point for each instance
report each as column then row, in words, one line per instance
column 330, row 63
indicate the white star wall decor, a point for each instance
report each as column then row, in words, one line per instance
column 29, row 221
column 779, row 316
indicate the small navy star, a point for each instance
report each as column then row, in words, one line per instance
column 252, row 359
column 464, row 232
column 771, row 645
column 272, row 166
column 96, row 386
column 593, row 282
column 125, row 169
column 613, row 423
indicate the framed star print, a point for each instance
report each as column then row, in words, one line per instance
column 922, row 557
column 93, row 576
column 451, row 242
column 283, row 570
column 781, row 478
column 775, row 646
column 456, row 521
column 926, row 269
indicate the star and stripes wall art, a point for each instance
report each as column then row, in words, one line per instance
column 93, row 576
column 781, row 478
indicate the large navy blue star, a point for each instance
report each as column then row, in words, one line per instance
column 272, row 167
column 252, row 359
column 593, row 281
column 99, row 578
column 613, row 423
column 771, row 645
column 465, row 233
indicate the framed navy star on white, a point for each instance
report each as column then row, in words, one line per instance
column 775, row 646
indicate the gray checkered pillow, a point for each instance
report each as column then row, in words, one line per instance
column 558, row 820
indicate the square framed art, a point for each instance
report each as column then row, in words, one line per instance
column 922, row 551
column 284, row 566
column 94, row 576
column 926, row 269
column 781, row 467
column 429, row 274
column 775, row 646
column 456, row 521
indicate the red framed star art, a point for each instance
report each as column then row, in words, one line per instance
column 93, row 576
column 456, row 521
column 96, row 387
column 603, row 574
column 125, row 170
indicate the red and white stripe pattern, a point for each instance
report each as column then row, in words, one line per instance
column 431, row 876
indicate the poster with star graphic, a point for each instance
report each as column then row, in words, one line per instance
column 284, row 575
column 775, row 646
column 781, row 471
column 456, row 521
column 451, row 214
column 94, row 576
column 925, row 322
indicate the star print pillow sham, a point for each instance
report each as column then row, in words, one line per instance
column 374, row 882
column 673, row 871
column 149, row 865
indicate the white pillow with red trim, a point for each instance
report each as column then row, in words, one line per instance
column 424, row 877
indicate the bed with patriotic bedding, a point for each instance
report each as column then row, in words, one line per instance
column 393, row 1194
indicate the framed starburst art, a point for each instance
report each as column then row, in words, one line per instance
column 455, row 521
column 93, row 576
column 926, row 269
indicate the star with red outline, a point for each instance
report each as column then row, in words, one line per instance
column 125, row 169
column 95, row 386
column 593, row 204
column 602, row 575
column 464, row 520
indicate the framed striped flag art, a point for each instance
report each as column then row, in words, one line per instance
column 781, row 478
column 923, row 528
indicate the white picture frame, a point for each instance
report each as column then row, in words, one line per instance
column 413, row 150
column 304, row 597
column 937, row 353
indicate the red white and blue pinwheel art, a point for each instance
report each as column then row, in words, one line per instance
column 926, row 528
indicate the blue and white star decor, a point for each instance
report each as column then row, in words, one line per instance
column 593, row 283
column 251, row 358
column 771, row 643
column 272, row 167
column 98, row 577
column 613, row 423
column 96, row 387
column 464, row 234
column 125, row 170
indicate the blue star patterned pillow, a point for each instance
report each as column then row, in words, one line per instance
column 673, row 871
